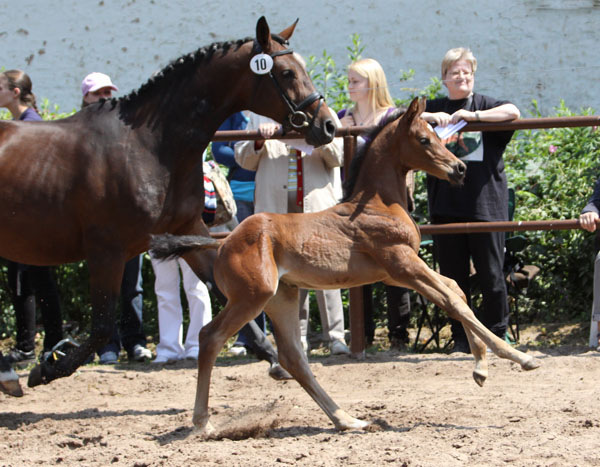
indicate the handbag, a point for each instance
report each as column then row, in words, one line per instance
column 226, row 207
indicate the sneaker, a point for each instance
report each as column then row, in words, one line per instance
column 238, row 351
column 109, row 358
column 461, row 346
column 191, row 354
column 399, row 343
column 339, row 347
column 139, row 353
column 161, row 360
column 15, row 355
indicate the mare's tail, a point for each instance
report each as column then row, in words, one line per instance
column 167, row 246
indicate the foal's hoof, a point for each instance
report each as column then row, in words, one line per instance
column 479, row 377
column 11, row 387
column 204, row 430
column 353, row 424
column 278, row 373
column 531, row 364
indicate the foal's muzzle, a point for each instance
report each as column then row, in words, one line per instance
column 459, row 171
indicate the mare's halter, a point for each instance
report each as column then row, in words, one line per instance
column 297, row 118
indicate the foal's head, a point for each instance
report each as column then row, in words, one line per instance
column 283, row 90
column 420, row 148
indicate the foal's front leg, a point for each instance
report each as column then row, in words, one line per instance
column 429, row 284
column 478, row 347
column 283, row 311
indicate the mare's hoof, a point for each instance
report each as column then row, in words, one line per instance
column 11, row 387
column 35, row 376
column 278, row 373
column 531, row 364
column 479, row 377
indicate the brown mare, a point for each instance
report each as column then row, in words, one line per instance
column 367, row 238
column 95, row 185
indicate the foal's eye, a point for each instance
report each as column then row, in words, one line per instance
column 424, row 141
column 288, row 74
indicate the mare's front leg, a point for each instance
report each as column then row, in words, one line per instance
column 418, row 276
column 106, row 273
column 284, row 313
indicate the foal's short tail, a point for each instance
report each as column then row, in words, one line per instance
column 167, row 246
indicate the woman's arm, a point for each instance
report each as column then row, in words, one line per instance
column 502, row 113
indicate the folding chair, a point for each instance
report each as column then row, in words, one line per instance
column 430, row 315
column 518, row 275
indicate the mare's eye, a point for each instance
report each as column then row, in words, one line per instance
column 288, row 74
column 424, row 141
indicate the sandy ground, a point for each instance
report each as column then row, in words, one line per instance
column 425, row 408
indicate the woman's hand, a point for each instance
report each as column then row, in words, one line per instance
column 439, row 118
column 465, row 115
column 268, row 129
column 347, row 120
column 587, row 221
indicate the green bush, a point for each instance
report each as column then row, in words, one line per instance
column 553, row 173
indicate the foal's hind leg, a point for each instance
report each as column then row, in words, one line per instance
column 283, row 311
column 211, row 340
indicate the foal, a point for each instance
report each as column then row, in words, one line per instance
column 367, row 238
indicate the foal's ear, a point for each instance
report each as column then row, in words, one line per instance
column 287, row 32
column 415, row 109
column 263, row 34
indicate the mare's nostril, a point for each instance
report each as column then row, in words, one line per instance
column 330, row 128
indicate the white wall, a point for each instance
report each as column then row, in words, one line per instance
column 542, row 49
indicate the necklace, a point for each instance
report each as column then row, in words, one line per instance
column 362, row 120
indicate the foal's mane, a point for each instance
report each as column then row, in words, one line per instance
column 358, row 160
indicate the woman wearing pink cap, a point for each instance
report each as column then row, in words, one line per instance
column 96, row 86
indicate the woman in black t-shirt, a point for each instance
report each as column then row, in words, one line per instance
column 482, row 198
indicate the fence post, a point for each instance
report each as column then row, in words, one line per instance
column 357, row 308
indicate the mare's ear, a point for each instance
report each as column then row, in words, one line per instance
column 287, row 32
column 263, row 34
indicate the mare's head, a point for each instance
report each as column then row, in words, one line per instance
column 420, row 147
column 283, row 90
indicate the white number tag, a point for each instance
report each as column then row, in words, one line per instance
column 261, row 64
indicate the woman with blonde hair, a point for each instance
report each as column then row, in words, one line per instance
column 368, row 89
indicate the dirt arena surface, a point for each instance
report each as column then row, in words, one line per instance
column 425, row 408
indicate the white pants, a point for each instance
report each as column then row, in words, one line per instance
column 170, row 313
column 331, row 311
column 596, row 305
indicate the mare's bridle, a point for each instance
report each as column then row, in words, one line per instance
column 297, row 118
